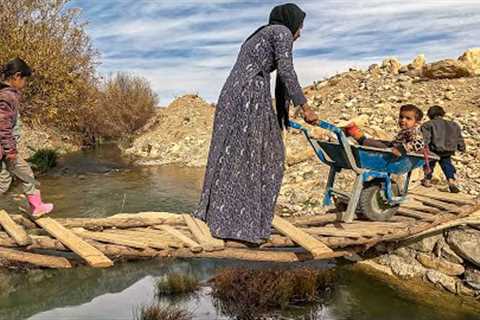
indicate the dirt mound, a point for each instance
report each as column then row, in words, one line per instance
column 178, row 134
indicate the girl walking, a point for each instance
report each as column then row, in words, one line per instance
column 13, row 79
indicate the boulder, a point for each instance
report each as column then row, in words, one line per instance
column 466, row 243
column 426, row 244
column 374, row 68
column 391, row 65
column 445, row 267
column 417, row 63
column 446, row 69
column 447, row 253
column 472, row 278
column 404, row 268
column 440, row 279
column 471, row 58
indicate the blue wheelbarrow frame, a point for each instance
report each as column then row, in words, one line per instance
column 369, row 164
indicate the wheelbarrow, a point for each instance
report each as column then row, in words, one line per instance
column 374, row 194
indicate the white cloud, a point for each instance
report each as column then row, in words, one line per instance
column 183, row 46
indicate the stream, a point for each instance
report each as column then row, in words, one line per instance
column 98, row 183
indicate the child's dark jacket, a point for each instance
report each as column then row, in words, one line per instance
column 443, row 136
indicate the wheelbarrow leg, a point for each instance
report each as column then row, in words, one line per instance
column 349, row 215
column 327, row 199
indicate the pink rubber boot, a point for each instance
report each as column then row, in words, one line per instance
column 38, row 207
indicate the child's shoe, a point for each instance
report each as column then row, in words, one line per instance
column 453, row 188
column 38, row 207
column 352, row 130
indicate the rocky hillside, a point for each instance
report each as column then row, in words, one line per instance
column 41, row 137
column 180, row 134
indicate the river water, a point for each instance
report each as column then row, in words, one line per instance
column 98, row 183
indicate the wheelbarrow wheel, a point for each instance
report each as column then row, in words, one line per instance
column 374, row 206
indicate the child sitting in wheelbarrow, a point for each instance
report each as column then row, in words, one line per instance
column 408, row 139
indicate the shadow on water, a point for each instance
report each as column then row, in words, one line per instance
column 85, row 293
column 115, row 293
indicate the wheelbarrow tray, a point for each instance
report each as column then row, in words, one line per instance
column 371, row 158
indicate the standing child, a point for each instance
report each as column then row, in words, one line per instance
column 13, row 79
column 408, row 139
column 444, row 138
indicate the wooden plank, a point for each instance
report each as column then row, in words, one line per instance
column 26, row 223
column 14, row 230
column 95, row 223
column 256, row 255
column 154, row 239
column 416, row 214
column 473, row 219
column 439, row 204
column 457, row 198
column 92, row 256
column 195, row 247
column 169, row 217
column 314, row 246
column 112, row 238
column 418, row 206
column 313, row 220
column 202, row 238
column 354, row 231
column 218, row 243
column 111, row 250
column 333, row 232
column 408, row 220
column 35, row 259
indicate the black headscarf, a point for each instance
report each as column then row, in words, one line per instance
column 290, row 16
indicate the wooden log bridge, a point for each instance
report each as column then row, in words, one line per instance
column 98, row 242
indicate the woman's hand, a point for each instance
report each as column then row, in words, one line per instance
column 309, row 115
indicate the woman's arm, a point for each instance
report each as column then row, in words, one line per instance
column 283, row 44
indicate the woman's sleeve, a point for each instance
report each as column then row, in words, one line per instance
column 283, row 44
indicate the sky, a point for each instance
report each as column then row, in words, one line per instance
column 190, row 46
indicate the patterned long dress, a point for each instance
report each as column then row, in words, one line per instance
column 245, row 163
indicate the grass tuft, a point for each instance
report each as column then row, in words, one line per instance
column 44, row 159
column 176, row 284
column 162, row 312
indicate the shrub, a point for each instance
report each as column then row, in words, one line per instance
column 64, row 91
column 247, row 293
column 125, row 103
column 176, row 284
column 162, row 312
column 52, row 40
column 44, row 159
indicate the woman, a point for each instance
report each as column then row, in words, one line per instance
column 245, row 163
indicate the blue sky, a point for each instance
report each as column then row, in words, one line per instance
column 185, row 46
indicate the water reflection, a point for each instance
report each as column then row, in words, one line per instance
column 96, row 188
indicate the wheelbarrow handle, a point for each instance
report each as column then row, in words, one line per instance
column 322, row 124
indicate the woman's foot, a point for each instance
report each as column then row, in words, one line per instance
column 427, row 183
column 453, row 188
